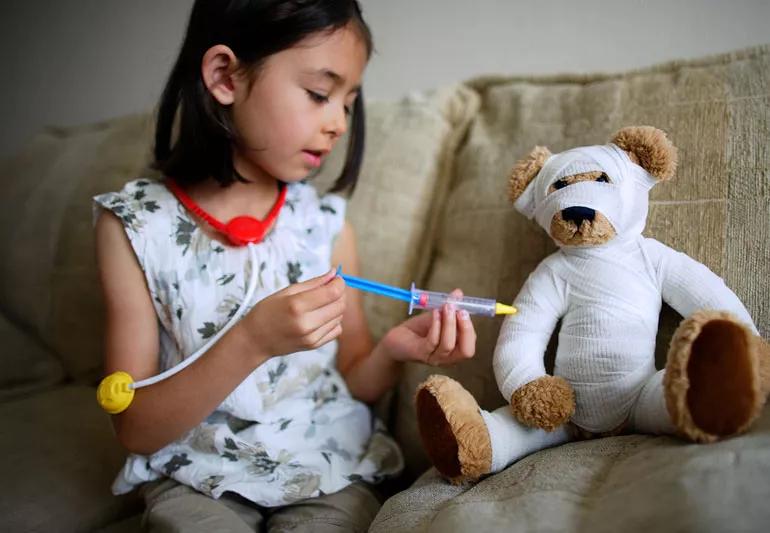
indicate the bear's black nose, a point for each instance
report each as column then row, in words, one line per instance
column 578, row 214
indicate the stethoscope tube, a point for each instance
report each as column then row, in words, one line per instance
column 116, row 391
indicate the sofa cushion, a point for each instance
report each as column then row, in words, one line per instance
column 48, row 278
column 717, row 208
column 59, row 459
column 630, row 483
column 25, row 365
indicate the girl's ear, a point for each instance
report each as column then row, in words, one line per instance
column 218, row 68
column 525, row 170
column 649, row 148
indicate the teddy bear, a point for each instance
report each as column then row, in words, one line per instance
column 606, row 283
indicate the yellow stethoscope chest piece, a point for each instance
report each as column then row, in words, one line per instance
column 115, row 393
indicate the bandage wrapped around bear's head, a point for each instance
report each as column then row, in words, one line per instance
column 623, row 201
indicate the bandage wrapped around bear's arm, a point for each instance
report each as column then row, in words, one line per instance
column 689, row 286
column 523, row 339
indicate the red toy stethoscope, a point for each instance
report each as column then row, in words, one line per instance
column 116, row 391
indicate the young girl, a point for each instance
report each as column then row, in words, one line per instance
column 270, row 426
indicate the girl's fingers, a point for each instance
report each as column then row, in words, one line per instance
column 332, row 334
column 466, row 335
column 319, row 296
column 312, row 283
column 325, row 333
column 448, row 332
column 420, row 324
column 321, row 316
column 434, row 333
column 457, row 293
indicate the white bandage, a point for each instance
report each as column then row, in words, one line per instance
column 624, row 201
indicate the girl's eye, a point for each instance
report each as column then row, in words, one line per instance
column 317, row 97
column 560, row 184
column 603, row 178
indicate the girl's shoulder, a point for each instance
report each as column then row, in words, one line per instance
column 138, row 203
column 144, row 190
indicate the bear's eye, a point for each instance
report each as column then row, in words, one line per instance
column 603, row 178
column 560, row 184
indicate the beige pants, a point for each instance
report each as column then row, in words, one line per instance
column 172, row 507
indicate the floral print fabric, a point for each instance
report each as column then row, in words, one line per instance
column 291, row 429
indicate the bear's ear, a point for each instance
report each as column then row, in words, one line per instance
column 525, row 170
column 650, row 148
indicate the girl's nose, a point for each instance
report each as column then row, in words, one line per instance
column 337, row 124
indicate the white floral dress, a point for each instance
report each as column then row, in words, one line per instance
column 291, row 429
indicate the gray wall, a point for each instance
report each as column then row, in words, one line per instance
column 69, row 62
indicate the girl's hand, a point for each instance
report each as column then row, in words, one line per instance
column 300, row 317
column 440, row 337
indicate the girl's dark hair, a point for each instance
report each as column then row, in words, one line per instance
column 254, row 30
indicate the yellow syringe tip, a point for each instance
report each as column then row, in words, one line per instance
column 502, row 309
column 114, row 393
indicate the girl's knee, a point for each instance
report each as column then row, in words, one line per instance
column 351, row 509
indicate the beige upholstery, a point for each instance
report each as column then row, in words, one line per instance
column 25, row 366
column 430, row 207
column 58, row 460
column 47, row 276
column 631, row 483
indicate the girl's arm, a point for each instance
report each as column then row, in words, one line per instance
column 304, row 315
column 438, row 337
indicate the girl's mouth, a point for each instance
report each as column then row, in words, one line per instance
column 312, row 157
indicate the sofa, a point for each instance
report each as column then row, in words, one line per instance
column 430, row 207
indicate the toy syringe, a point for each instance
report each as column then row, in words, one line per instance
column 421, row 299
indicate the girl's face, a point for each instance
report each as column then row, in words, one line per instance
column 297, row 106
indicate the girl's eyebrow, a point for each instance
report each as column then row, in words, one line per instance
column 337, row 79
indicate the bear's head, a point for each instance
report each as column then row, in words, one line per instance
column 590, row 195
